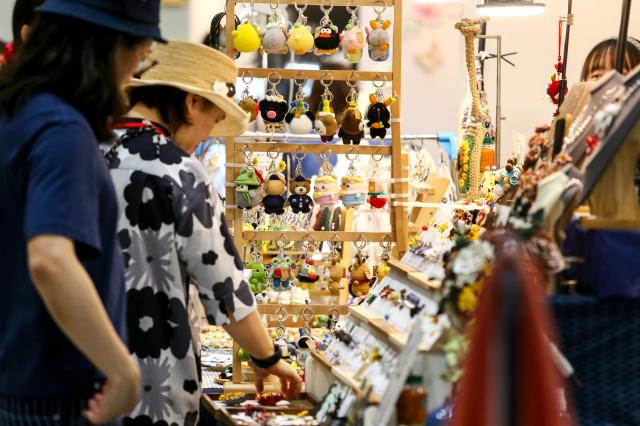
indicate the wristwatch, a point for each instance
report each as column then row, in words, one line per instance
column 269, row 362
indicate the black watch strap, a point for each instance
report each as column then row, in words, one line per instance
column 269, row 362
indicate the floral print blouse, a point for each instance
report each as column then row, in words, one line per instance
column 173, row 232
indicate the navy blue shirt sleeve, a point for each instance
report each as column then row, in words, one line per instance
column 63, row 187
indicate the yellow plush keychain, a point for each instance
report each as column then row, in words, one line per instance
column 246, row 38
column 300, row 36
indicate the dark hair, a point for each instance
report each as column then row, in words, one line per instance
column 603, row 56
column 170, row 102
column 24, row 13
column 72, row 59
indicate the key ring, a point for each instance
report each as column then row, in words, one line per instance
column 302, row 9
column 360, row 243
column 377, row 156
column 276, row 74
column 272, row 7
column 273, row 152
column 378, row 11
column 247, row 74
column 329, row 76
column 281, row 314
column 382, row 80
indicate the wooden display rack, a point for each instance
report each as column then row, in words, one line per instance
column 235, row 150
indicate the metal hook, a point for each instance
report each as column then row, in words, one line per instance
column 328, row 75
column 384, row 7
column 273, row 72
column 361, row 242
column 273, row 152
column 379, row 78
column 247, row 74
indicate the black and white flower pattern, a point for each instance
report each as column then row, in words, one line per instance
column 171, row 232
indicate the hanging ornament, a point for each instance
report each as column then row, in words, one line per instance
column 378, row 39
column 275, row 36
column 299, row 119
column 247, row 185
column 378, row 196
column 274, row 186
column 359, row 272
column 378, row 114
column 335, row 271
column 300, row 38
column 248, row 103
column 553, row 89
column 306, row 269
column 352, row 127
column 246, row 38
column 326, row 37
column 280, row 273
column 382, row 268
column 273, row 108
column 299, row 200
column 326, row 124
column 326, row 191
column 352, row 38
column 258, row 278
column 354, row 187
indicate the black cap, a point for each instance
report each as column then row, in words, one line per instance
column 137, row 18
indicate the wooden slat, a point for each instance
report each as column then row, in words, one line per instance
column 313, row 148
column 416, row 277
column 360, row 3
column 382, row 330
column 344, row 377
column 338, row 75
column 318, row 235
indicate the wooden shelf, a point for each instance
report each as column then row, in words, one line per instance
column 416, row 277
column 344, row 3
column 371, row 237
column 313, row 148
column 271, row 308
column 383, row 331
column 338, row 75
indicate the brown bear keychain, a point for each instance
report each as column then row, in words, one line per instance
column 360, row 272
column 352, row 127
column 300, row 200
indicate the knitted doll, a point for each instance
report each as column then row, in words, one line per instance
column 299, row 200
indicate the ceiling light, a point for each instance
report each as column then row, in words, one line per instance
column 510, row 8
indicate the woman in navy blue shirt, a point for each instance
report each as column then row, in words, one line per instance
column 62, row 300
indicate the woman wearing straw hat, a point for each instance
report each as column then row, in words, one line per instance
column 62, row 298
column 173, row 230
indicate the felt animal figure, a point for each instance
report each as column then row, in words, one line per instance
column 507, row 178
column 299, row 118
column 274, row 38
column 378, row 40
column 246, row 38
column 248, row 189
column 326, row 124
column 326, row 191
column 250, row 106
column 281, row 274
column 307, row 272
column 300, row 39
column 258, row 279
column 273, row 110
column 354, row 191
column 299, row 200
column 274, row 187
column 378, row 196
column 378, row 116
column 336, row 273
column 352, row 42
column 326, row 40
column 352, row 127
column 360, row 276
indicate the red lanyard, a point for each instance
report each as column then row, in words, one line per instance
column 139, row 125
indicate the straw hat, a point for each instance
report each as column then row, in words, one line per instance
column 201, row 70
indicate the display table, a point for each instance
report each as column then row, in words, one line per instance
column 224, row 414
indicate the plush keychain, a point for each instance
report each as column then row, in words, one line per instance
column 378, row 114
column 301, row 39
column 354, row 188
column 360, row 275
column 273, row 108
column 274, row 187
column 248, row 188
column 246, row 38
column 326, row 37
column 300, row 200
column 326, row 124
column 352, row 127
column 300, row 120
column 280, row 272
column 378, row 196
column 248, row 103
column 382, row 268
column 275, row 36
column 378, row 39
column 352, row 38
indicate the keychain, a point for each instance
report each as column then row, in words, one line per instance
column 306, row 341
column 352, row 127
column 378, row 39
column 301, row 40
column 335, row 271
column 352, row 38
column 360, row 273
column 246, row 38
column 299, row 118
column 258, row 279
column 275, row 36
column 326, row 191
column 274, row 186
column 273, row 108
column 326, row 37
column 280, row 273
column 279, row 335
column 378, row 196
column 300, row 200
column 248, row 183
column 378, row 114
column 354, row 188
column 306, row 270
column 248, row 103
column 382, row 268
column 326, row 123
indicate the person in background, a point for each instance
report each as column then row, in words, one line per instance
column 62, row 301
column 173, row 231
column 602, row 58
column 24, row 13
